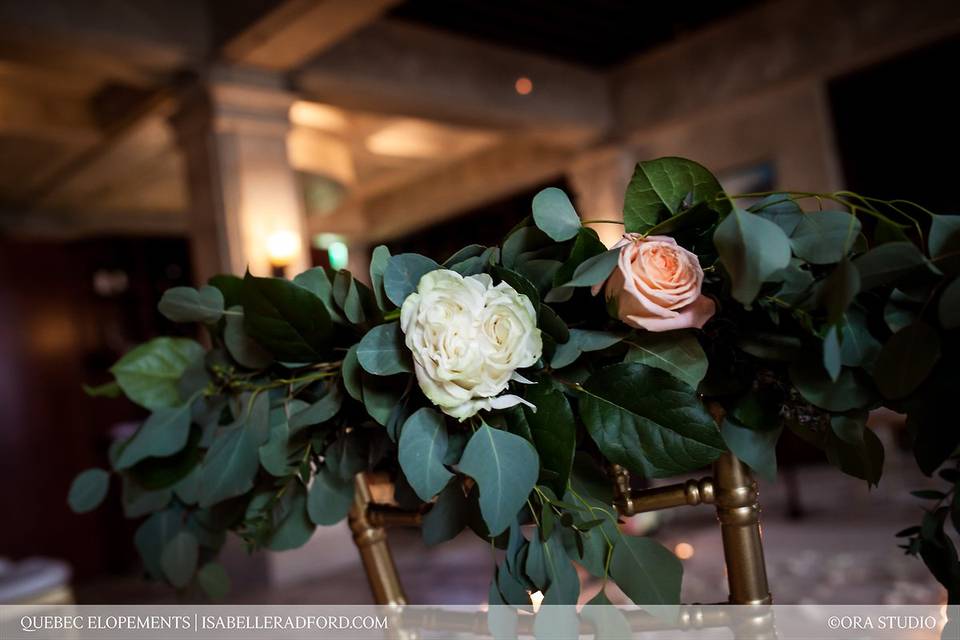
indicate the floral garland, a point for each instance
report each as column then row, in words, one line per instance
column 497, row 388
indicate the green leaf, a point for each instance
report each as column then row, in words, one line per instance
column 152, row 536
column 382, row 351
column 88, row 490
column 553, row 430
column 781, row 209
column 835, row 292
column 318, row 412
column 138, row 501
column 888, row 264
column 648, row 421
column 949, row 309
column 858, row 347
column 186, row 304
column 274, row 454
column 522, row 240
column 752, row 249
column 448, row 516
column 944, row 243
column 214, row 581
column 381, row 395
column 242, row 347
column 554, row 214
column 831, row 352
column 149, row 373
column 661, row 186
column 378, row 266
column 906, row 360
column 756, row 448
column 105, row 390
column 351, row 372
column 422, row 447
column 563, row 581
column 230, row 286
column 288, row 320
column 330, row 498
column 758, row 408
column 318, row 282
column 646, row 571
column 901, row 310
column 580, row 341
column 553, row 325
column 230, row 464
column 403, row 274
column 863, row 460
column 505, row 468
column 849, row 391
column 164, row 433
column 677, row 352
column 179, row 559
column 595, row 270
column 476, row 264
column 825, row 237
column 295, row 527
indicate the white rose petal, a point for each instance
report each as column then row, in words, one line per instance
column 468, row 338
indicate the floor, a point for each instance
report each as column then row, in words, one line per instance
column 842, row 551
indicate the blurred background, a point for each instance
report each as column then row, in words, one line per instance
column 146, row 144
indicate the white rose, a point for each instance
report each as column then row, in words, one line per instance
column 468, row 338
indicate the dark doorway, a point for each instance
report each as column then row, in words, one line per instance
column 897, row 129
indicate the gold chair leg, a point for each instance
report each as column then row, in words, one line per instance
column 374, row 551
column 738, row 511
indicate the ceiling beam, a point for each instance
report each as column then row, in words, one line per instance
column 46, row 116
column 765, row 48
column 460, row 186
column 399, row 68
column 296, row 30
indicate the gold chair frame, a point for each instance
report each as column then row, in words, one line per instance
column 732, row 490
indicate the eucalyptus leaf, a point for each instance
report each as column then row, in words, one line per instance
column 351, row 373
column 595, row 270
column 330, row 498
column 318, row 412
column 149, row 373
column 274, row 453
column 403, row 274
column 230, row 464
column 900, row 310
column 382, row 351
column 944, row 243
column 317, row 282
column 825, row 237
column 164, row 433
column 906, row 360
column 88, row 490
column 295, row 527
column 858, row 347
column 752, row 249
column 832, row 360
column 677, row 352
column 554, row 214
column 186, row 304
column 286, row 319
column 152, row 536
column 448, row 517
column 179, row 559
column 648, row 421
column 889, row 263
column 214, row 581
column 505, row 468
column 242, row 347
column 378, row 266
column 646, row 571
column 583, row 340
column 849, row 391
column 836, row 292
column 781, row 209
column 754, row 447
column 422, row 447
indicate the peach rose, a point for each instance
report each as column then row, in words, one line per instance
column 656, row 285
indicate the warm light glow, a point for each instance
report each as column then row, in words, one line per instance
column 536, row 598
column 421, row 139
column 338, row 254
column 523, row 85
column 683, row 550
column 317, row 116
column 282, row 247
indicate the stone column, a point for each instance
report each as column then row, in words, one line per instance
column 599, row 178
column 243, row 191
